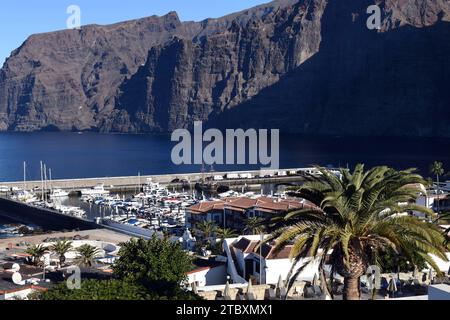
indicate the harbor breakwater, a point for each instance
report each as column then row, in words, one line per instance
column 117, row 184
column 48, row 220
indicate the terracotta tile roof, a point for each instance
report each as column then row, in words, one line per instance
column 206, row 206
column 201, row 264
column 23, row 289
column 20, row 255
column 252, row 247
column 242, row 244
column 266, row 250
column 197, row 270
column 241, row 204
column 283, row 254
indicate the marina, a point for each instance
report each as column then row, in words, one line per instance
column 145, row 205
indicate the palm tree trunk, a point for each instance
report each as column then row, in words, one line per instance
column 323, row 280
column 351, row 288
column 438, row 209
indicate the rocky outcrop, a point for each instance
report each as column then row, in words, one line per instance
column 188, row 80
column 308, row 66
column 390, row 82
column 68, row 79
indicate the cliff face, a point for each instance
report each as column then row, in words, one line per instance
column 362, row 82
column 68, row 79
column 309, row 66
column 193, row 79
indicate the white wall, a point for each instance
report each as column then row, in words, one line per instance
column 209, row 277
column 216, row 276
column 278, row 267
column 426, row 201
column 199, row 277
column 23, row 294
column 231, row 268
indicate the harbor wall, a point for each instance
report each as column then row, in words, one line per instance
column 126, row 183
column 46, row 219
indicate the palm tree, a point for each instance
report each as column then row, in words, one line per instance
column 222, row 234
column 61, row 248
column 36, row 252
column 86, row 254
column 357, row 215
column 437, row 168
column 226, row 233
column 206, row 230
column 254, row 225
column 446, row 218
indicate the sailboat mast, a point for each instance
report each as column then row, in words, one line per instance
column 45, row 181
column 42, row 181
column 50, row 176
column 203, row 172
column 139, row 181
column 24, row 176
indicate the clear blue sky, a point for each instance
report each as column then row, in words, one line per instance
column 19, row 18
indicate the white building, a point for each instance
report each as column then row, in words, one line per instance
column 208, row 273
column 262, row 264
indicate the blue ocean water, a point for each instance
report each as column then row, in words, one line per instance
column 73, row 155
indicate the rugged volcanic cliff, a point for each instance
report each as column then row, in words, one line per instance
column 308, row 66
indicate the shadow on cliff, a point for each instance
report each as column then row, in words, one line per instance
column 361, row 82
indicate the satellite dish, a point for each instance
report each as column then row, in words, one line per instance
column 17, row 278
column 15, row 267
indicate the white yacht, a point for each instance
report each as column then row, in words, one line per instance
column 59, row 193
column 98, row 190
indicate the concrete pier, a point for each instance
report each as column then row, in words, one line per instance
column 48, row 219
column 258, row 177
